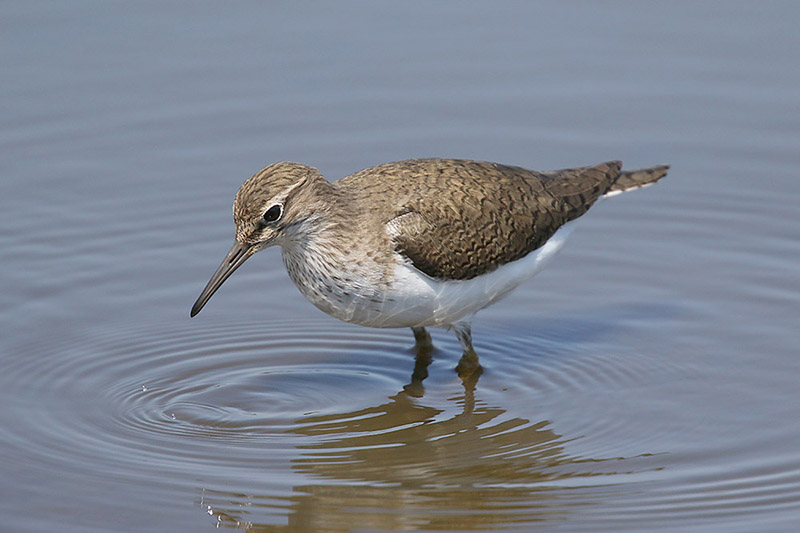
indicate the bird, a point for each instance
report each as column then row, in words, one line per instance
column 417, row 243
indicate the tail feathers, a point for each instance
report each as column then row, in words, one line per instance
column 636, row 179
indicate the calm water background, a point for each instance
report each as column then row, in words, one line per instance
column 648, row 380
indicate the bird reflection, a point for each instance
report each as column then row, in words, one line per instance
column 407, row 465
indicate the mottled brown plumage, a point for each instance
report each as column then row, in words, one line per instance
column 423, row 242
column 457, row 219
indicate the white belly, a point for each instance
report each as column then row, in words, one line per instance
column 411, row 298
column 415, row 299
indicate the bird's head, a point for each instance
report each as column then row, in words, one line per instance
column 273, row 207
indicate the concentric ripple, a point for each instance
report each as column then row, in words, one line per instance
column 325, row 423
column 224, row 381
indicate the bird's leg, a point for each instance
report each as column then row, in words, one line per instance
column 423, row 348
column 468, row 364
column 422, row 338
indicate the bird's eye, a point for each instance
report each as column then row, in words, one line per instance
column 273, row 213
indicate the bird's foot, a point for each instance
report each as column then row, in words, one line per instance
column 423, row 350
column 421, row 363
column 469, row 367
column 422, row 338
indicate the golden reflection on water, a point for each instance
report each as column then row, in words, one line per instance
column 406, row 465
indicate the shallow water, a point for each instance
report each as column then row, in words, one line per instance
column 647, row 380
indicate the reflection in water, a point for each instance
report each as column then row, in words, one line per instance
column 405, row 465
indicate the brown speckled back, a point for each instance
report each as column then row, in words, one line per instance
column 457, row 219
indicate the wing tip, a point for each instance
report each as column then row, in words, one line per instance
column 636, row 179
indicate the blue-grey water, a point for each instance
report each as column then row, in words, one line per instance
column 648, row 380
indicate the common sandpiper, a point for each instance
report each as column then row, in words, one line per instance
column 416, row 243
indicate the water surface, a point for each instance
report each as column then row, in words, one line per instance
column 647, row 380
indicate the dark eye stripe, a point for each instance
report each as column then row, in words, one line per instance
column 273, row 213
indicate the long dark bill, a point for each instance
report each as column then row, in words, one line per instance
column 235, row 258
